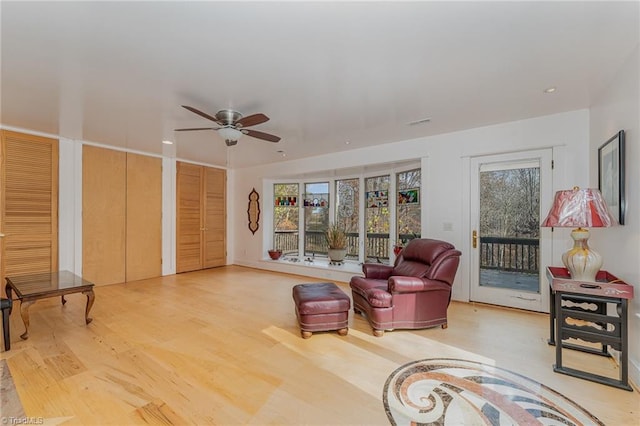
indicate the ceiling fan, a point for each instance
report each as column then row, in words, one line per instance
column 233, row 125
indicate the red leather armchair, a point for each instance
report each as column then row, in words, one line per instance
column 413, row 293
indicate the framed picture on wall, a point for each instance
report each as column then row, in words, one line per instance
column 611, row 175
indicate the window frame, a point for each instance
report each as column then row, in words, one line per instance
column 332, row 177
column 273, row 214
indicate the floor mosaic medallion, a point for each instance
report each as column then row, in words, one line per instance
column 448, row 392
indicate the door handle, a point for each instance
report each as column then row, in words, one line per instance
column 474, row 239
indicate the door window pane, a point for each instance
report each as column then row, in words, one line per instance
column 377, row 218
column 509, row 227
column 286, row 217
column 348, row 212
column 316, row 218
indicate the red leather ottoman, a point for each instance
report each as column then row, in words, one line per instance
column 321, row 307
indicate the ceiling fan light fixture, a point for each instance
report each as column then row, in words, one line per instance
column 233, row 125
column 229, row 134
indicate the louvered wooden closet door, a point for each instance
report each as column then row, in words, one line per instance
column 189, row 224
column 201, row 217
column 215, row 252
column 29, row 202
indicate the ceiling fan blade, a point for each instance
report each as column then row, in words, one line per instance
column 252, row 120
column 200, row 113
column 197, row 128
column 261, row 135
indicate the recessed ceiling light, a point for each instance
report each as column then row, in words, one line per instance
column 347, row 142
column 281, row 152
column 166, row 142
column 423, row 120
column 549, row 90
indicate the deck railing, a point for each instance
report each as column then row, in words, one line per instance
column 287, row 241
column 509, row 254
column 504, row 254
column 377, row 244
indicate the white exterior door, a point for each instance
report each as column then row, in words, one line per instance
column 508, row 257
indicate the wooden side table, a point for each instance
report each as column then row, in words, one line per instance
column 588, row 302
column 29, row 288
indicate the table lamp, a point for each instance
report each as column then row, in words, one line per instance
column 580, row 208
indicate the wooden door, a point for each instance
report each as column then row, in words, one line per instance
column 214, row 218
column 201, row 217
column 188, row 217
column 144, row 217
column 29, row 204
column 103, row 215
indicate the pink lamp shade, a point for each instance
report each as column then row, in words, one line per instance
column 579, row 208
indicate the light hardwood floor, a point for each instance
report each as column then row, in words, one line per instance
column 222, row 346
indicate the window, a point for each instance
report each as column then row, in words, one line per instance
column 316, row 218
column 376, row 212
column 408, row 205
column 377, row 218
column 286, row 217
column 348, row 212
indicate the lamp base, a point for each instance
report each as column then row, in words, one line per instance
column 582, row 262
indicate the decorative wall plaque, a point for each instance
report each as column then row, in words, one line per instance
column 253, row 211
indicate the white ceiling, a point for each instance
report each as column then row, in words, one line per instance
column 324, row 72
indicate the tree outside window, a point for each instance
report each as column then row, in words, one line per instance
column 286, row 214
column 348, row 212
column 316, row 218
column 408, row 206
column 377, row 218
column 510, row 203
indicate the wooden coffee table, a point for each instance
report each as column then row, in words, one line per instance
column 30, row 288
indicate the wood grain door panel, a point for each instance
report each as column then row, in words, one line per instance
column 103, row 215
column 201, row 217
column 144, row 217
column 189, row 217
column 215, row 218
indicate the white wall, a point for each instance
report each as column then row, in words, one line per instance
column 446, row 190
column 618, row 108
column 168, row 216
column 69, row 206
